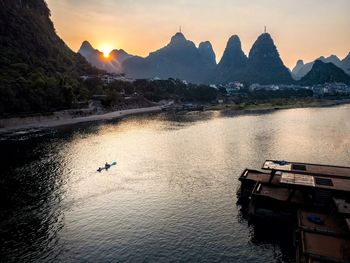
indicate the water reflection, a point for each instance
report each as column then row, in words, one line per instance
column 31, row 214
column 172, row 194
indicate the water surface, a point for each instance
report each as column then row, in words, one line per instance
column 172, row 196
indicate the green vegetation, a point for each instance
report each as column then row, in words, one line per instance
column 175, row 89
column 268, row 95
column 170, row 89
column 278, row 103
column 38, row 72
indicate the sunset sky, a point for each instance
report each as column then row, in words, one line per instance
column 302, row 29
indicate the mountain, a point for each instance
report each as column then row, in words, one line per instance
column 322, row 72
column 264, row 63
column 299, row 72
column 112, row 64
column 300, row 64
column 86, row 49
column 119, row 55
column 207, row 53
column 333, row 59
column 345, row 64
column 38, row 72
column 233, row 62
column 179, row 59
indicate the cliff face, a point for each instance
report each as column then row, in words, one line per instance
column 38, row 72
column 233, row 62
column 208, row 55
column 265, row 64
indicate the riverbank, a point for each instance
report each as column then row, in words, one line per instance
column 46, row 122
column 16, row 124
column 273, row 105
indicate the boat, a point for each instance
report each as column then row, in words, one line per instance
column 106, row 167
column 312, row 200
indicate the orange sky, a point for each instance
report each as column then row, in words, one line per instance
column 303, row 29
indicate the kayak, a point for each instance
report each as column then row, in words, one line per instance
column 106, row 167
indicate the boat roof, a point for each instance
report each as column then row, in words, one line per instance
column 332, row 224
column 325, row 248
column 328, row 183
column 297, row 180
column 307, row 168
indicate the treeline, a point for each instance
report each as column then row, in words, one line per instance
column 259, row 95
column 155, row 90
column 25, row 90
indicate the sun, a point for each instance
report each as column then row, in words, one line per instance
column 105, row 49
column 106, row 54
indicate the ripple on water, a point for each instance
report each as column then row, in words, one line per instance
column 172, row 195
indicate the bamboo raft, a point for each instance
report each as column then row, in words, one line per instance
column 313, row 198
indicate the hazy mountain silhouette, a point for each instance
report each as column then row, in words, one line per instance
column 265, row 64
column 179, row 59
column 345, row 64
column 299, row 65
column 182, row 59
column 208, row 55
column 113, row 64
column 322, row 72
column 300, row 71
column 233, row 63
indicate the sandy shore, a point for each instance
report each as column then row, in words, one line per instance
column 70, row 121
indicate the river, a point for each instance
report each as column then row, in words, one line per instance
column 170, row 198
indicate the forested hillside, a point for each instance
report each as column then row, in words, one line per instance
column 38, row 72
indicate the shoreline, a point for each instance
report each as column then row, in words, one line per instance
column 268, row 107
column 228, row 108
column 72, row 121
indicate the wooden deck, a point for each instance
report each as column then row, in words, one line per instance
column 257, row 176
column 307, row 168
column 278, row 194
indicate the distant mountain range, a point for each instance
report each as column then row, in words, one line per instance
column 40, row 73
column 322, row 72
column 182, row 59
column 96, row 58
column 301, row 69
column 179, row 59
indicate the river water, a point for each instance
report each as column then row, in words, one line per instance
column 172, row 195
